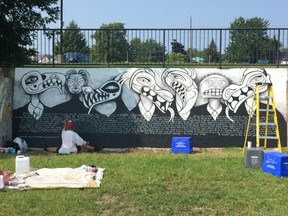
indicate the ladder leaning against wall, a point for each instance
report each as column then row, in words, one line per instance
column 265, row 119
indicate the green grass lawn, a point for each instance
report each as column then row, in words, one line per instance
column 153, row 182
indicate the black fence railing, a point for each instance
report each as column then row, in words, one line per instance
column 161, row 47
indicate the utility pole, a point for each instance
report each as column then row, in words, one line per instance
column 190, row 54
column 61, row 27
column 60, row 56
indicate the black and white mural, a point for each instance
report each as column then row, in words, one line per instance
column 141, row 107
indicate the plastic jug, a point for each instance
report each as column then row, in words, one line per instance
column 1, row 182
column 22, row 164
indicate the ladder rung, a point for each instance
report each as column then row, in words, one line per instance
column 268, row 137
column 264, row 110
column 269, row 123
column 265, row 97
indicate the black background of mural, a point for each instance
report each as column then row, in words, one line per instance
column 126, row 128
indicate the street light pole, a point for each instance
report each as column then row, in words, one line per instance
column 61, row 26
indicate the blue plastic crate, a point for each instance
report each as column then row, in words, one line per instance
column 182, row 145
column 275, row 163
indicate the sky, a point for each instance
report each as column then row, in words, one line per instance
column 171, row 14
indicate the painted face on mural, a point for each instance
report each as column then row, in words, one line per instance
column 107, row 92
column 34, row 82
column 181, row 83
column 76, row 80
column 151, row 95
column 212, row 86
column 236, row 94
column 75, row 83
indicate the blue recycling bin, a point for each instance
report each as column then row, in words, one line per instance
column 181, row 145
column 275, row 163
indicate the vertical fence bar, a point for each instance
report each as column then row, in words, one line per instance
column 53, row 48
column 278, row 49
column 108, row 47
column 163, row 48
column 220, row 50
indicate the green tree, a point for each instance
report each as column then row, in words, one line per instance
column 177, row 47
column 249, row 40
column 17, row 18
column 211, row 53
column 111, row 43
column 176, row 58
column 152, row 51
column 135, row 50
column 147, row 51
column 73, row 40
column 193, row 53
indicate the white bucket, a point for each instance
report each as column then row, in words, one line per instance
column 1, row 182
column 249, row 144
column 22, row 164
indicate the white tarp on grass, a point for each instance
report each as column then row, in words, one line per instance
column 57, row 178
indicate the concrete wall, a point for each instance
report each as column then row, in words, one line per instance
column 6, row 100
column 138, row 107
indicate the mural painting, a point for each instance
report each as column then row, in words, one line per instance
column 141, row 107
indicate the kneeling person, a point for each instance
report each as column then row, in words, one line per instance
column 71, row 141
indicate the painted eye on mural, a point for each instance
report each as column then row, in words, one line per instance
column 221, row 82
column 210, row 82
column 111, row 87
column 144, row 81
column 176, row 77
column 81, row 81
column 31, row 79
column 70, row 82
column 256, row 79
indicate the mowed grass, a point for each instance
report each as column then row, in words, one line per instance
column 153, row 182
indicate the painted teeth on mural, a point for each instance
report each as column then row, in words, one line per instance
column 250, row 92
column 179, row 89
column 149, row 97
column 145, row 89
column 52, row 82
column 213, row 92
column 237, row 93
column 162, row 106
column 234, row 104
column 242, row 97
column 158, row 104
column 152, row 93
column 245, row 89
column 92, row 99
column 162, row 100
column 167, row 106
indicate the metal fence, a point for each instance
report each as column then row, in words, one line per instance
column 161, row 47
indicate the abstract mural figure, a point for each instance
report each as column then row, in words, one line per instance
column 181, row 82
column 236, row 94
column 151, row 95
column 107, row 92
column 212, row 88
column 35, row 83
column 76, row 80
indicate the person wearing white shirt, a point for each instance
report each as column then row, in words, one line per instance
column 71, row 141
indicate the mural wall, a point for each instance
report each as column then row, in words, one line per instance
column 138, row 107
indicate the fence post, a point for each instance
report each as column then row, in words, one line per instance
column 108, row 47
column 53, row 47
column 220, row 52
column 164, row 47
column 278, row 49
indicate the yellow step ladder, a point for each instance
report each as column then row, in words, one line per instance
column 265, row 120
